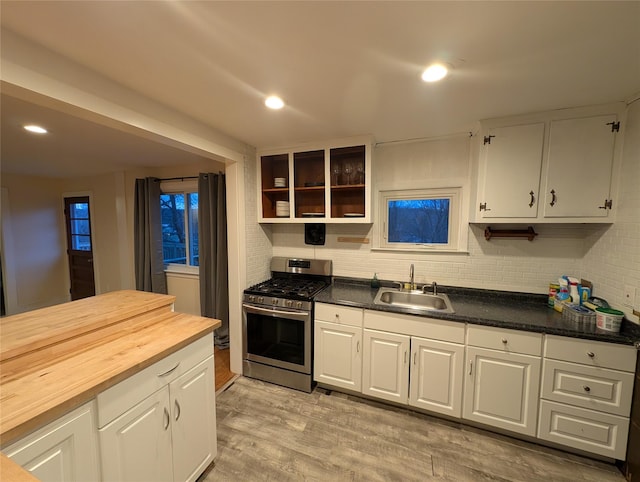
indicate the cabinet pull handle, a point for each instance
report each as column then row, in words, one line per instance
column 533, row 199
column 358, row 347
column 177, row 410
column 166, row 418
column 590, row 354
column 587, row 388
column 504, row 340
column 414, row 357
column 169, row 371
column 470, row 367
column 553, row 197
column 405, row 357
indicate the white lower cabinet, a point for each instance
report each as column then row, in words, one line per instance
column 386, row 365
column 64, row 450
column 338, row 355
column 168, row 435
column 420, row 363
column 587, row 387
column 502, row 385
column 436, row 376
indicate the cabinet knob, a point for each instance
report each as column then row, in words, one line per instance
column 337, row 316
column 504, row 340
column 587, row 388
column 590, row 354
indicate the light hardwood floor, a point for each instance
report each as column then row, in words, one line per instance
column 223, row 367
column 270, row 433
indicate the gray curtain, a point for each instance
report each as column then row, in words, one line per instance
column 147, row 225
column 212, row 244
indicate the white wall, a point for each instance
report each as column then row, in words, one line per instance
column 35, row 242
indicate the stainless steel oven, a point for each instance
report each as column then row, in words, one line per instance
column 278, row 323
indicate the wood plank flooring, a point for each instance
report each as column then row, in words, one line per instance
column 271, row 433
column 223, row 367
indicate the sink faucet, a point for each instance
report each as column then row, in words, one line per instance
column 412, row 285
column 434, row 288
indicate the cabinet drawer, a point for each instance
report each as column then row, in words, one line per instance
column 343, row 315
column 588, row 387
column 124, row 395
column 588, row 430
column 508, row 341
column 592, row 353
column 415, row 326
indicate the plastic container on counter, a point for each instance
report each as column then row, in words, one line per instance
column 608, row 319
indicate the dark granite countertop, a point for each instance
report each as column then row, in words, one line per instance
column 519, row 311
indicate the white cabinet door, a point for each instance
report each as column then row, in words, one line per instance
column 193, row 421
column 137, row 445
column 512, row 159
column 338, row 355
column 501, row 389
column 386, row 365
column 579, row 167
column 65, row 450
column 436, row 376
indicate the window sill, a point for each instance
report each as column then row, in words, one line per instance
column 182, row 270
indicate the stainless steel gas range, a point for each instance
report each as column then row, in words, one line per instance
column 278, row 322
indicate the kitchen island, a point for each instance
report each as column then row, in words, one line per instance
column 56, row 359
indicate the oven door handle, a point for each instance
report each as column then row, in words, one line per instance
column 295, row 315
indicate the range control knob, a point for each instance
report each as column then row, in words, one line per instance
column 261, row 299
column 274, row 301
column 252, row 298
column 299, row 304
column 289, row 303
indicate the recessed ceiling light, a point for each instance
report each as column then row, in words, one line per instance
column 274, row 102
column 36, row 129
column 435, row 72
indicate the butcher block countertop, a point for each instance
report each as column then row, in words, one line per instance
column 57, row 358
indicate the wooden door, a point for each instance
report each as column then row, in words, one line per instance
column 502, row 390
column 436, row 376
column 338, row 355
column 79, row 247
column 385, row 371
column 193, row 412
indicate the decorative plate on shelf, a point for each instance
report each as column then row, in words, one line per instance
column 353, row 215
column 312, row 215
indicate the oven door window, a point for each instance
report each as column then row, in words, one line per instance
column 276, row 338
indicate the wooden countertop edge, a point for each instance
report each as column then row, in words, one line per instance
column 91, row 322
column 12, row 472
column 70, row 399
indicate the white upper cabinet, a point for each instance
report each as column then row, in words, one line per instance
column 578, row 179
column 323, row 182
column 512, row 165
column 551, row 167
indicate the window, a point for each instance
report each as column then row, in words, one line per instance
column 179, row 214
column 420, row 219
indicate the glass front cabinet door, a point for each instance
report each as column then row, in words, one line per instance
column 328, row 183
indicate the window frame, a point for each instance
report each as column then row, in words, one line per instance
column 185, row 188
column 456, row 239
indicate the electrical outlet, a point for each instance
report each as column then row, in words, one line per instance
column 629, row 297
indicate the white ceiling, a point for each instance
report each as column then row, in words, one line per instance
column 343, row 68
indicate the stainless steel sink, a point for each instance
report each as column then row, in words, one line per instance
column 414, row 299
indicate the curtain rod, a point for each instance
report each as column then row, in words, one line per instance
column 182, row 178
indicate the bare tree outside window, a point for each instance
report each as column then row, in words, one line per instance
column 423, row 221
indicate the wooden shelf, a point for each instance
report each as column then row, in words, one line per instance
column 347, row 186
column 528, row 233
column 276, row 189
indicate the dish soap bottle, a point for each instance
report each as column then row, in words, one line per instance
column 375, row 282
